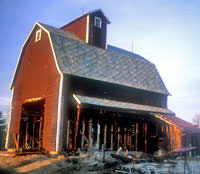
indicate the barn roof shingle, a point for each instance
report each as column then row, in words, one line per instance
column 113, row 65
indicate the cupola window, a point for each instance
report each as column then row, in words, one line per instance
column 97, row 22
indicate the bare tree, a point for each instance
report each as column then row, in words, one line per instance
column 2, row 131
column 196, row 120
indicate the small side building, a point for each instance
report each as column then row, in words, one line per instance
column 69, row 85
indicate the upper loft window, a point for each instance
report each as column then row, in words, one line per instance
column 97, row 22
column 38, row 35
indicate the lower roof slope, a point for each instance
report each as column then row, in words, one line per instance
column 120, row 106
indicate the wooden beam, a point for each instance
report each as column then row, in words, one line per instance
column 76, row 131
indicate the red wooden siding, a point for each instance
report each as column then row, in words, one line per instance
column 78, row 28
column 38, row 77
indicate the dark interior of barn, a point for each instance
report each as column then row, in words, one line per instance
column 104, row 127
column 31, row 125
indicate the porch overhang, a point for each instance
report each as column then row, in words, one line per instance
column 118, row 106
column 183, row 125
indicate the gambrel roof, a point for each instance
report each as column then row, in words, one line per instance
column 113, row 65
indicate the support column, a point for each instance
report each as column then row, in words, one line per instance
column 125, row 138
column 26, row 137
column 111, row 137
column 40, row 133
column 90, row 132
column 83, row 134
column 105, row 134
column 33, row 137
column 130, row 140
column 98, row 135
column 76, row 131
column 145, row 129
column 136, row 137
column 118, row 137
column 68, row 129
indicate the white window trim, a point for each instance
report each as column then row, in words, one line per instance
column 38, row 35
column 97, row 18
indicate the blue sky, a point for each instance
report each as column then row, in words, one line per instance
column 166, row 32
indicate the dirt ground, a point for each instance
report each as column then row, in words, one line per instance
column 34, row 164
column 45, row 164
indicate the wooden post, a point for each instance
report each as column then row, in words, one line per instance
column 125, row 137
column 105, row 133
column 171, row 137
column 90, row 133
column 118, row 137
column 136, row 137
column 77, row 124
column 157, row 130
column 111, row 137
column 130, row 144
column 83, row 133
column 98, row 135
column 33, row 143
column 26, row 139
column 145, row 130
column 40, row 133
column 68, row 129
column 16, row 140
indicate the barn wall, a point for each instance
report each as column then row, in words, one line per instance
column 78, row 27
column 111, row 91
column 37, row 77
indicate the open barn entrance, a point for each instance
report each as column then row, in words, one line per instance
column 31, row 125
column 131, row 131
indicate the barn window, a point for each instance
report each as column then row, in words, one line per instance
column 38, row 35
column 97, row 22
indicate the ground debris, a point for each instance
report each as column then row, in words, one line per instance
column 96, row 166
column 98, row 162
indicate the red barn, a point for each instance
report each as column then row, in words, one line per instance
column 69, row 85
